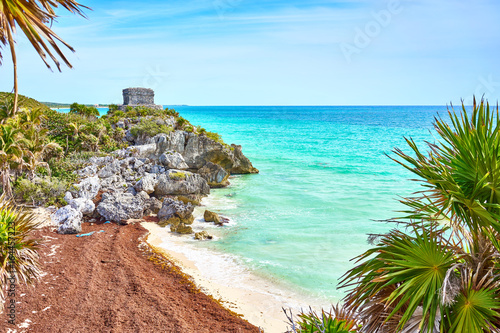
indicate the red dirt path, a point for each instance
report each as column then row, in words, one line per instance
column 106, row 283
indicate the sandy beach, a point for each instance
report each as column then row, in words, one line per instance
column 258, row 299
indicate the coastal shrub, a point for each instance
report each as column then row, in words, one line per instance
column 214, row 136
column 18, row 249
column 43, row 191
column 440, row 273
column 200, row 130
column 149, row 128
column 177, row 176
column 180, row 122
column 189, row 129
column 112, row 108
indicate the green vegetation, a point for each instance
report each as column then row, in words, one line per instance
column 16, row 226
column 214, row 136
column 42, row 191
column 24, row 102
column 177, row 175
column 83, row 110
column 442, row 273
column 340, row 321
column 149, row 128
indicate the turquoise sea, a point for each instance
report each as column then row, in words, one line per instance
column 323, row 181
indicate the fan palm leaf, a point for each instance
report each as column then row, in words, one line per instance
column 406, row 273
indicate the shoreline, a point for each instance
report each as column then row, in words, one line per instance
column 257, row 299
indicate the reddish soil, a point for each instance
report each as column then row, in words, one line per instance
column 108, row 283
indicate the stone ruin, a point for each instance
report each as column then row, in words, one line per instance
column 134, row 97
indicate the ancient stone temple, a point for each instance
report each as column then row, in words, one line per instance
column 139, row 97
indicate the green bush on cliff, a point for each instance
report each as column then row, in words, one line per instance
column 114, row 114
column 149, row 128
column 214, row 136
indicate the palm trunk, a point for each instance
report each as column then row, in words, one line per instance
column 7, row 189
column 14, row 62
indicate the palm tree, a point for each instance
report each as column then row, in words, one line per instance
column 11, row 151
column 442, row 274
column 33, row 17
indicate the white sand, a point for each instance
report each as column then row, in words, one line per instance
column 256, row 298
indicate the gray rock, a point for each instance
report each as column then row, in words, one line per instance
column 68, row 220
column 89, row 187
column 152, row 206
column 88, row 171
column 142, row 195
column 214, row 174
column 162, row 143
column 131, row 190
column 143, row 151
column 173, row 161
column 68, row 196
column 147, row 183
column 110, row 170
column 173, row 208
column 138, row 164
column 120, row 206
column 101, row 161
column 178, row 182
column 85, row 206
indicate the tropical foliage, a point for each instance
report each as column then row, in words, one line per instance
column 441, row 274
column 338, row 320
column 18, row 251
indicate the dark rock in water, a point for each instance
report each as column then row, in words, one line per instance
column 211, row 217
column 121, row 206
column 177, row 214
column 182, row 229
column 202, row 235
column 214, row 174
column 68, row 220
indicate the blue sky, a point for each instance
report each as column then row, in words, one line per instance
column 241, row 52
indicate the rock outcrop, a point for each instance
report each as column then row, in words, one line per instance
column 214, row 174
column 180, row 182
column 198, row 150
column 120, row 207
column 83, row 205
column 68, row 220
